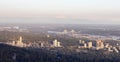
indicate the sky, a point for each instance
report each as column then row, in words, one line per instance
column 60, row 11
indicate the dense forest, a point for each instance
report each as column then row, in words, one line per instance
column 15, row 54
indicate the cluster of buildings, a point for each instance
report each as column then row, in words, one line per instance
column 99, row 44
column 56, row 43
column 20, row 43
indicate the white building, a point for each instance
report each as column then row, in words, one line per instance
column 90, row 45
column 99, row 44
column 19, row 43
column 56, row 43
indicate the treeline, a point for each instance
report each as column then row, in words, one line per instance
column 6, row 36
column 15, row 54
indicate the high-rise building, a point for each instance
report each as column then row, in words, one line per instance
column 90, row 45
column 56, row 43
column 85, row 45
column 20, row 39
column 99, row 44
column 19, row 42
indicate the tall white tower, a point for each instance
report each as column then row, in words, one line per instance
column 19, row 42
column 89, row 44
column 56, row 43
column 20, row 39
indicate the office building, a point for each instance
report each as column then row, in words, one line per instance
column 99, row 44
column 90, row 45
column 56, row 43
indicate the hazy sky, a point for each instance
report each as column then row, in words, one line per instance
column 60, row 11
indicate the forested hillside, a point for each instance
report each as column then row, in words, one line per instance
column 15, row 54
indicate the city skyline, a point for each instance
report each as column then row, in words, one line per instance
column 60, row 11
